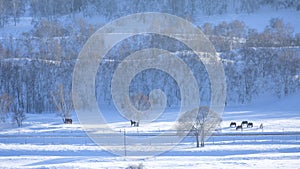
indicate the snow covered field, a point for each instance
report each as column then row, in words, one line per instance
column 43, row 142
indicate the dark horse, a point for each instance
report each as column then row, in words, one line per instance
column 239, row 127
column 68, row 121
column 134, row 123
column 233, row 124
column 244, row 122
column 250, row 125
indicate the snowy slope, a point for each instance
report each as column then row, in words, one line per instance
column 43, row 142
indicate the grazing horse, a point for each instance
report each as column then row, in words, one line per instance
column 68, row 121
column 244, row 123
column 239, row 127
column 250, row 125
column 233, row 124
column 134, row 123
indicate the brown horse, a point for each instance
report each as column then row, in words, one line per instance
column 239, row 127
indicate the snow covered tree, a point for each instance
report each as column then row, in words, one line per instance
column 140, row 103
column 5, row 7
column 63, row 103
column 288, row 67
column 5, row 102
column 18, row 116
column 18, row 7
column 282, row 33
column 200, row 122
column 207, row 28
column 18, row 113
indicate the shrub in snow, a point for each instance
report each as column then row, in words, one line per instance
column 140, row 166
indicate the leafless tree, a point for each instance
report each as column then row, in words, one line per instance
column 19, row 116
column 62, row 100
column 200, row 122
column 5, row 102
column 140, row 103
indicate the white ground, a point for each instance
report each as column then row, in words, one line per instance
column 43, row 142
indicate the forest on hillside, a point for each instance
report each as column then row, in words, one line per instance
column 35, row 63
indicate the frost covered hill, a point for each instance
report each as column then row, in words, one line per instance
column 39, row 50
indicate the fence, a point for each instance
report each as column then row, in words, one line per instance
column 226, row 138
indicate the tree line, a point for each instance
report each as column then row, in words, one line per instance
column 33, row 65
column 255, row 62
column 12, row 10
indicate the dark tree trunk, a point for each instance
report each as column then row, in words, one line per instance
column 197, row 138
column 202, row 143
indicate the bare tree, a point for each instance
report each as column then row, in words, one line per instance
column 288, row 66
column 141, row 103
column 5, row 102
column 16, row 8
column 63, row 103
column 200, row 122
column 19, row 116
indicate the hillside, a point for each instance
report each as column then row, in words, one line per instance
column 40, row 46
column 43, row 142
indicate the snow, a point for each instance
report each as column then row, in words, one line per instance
column 19, row 60
column 44, row 142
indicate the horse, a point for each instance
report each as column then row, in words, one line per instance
column 233, row 124
column 244, row 123
column 134, row 123
column 68, row 121
column 239, row 127
column 250, row 125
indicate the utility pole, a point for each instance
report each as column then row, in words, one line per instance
column 124, row 134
